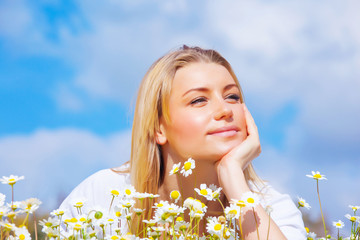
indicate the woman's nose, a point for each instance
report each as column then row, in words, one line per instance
column 223, row 111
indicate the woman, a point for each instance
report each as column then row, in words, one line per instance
column 190, row 105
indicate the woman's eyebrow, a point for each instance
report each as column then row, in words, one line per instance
column 204, row 89
column 200, row 89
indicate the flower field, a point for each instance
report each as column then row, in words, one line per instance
column 178, row 219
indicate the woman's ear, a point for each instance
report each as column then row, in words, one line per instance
column 160, row 134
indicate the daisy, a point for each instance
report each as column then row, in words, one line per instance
column 303, row 203
column 30, row 205
column 181, row 226
column 175, row 169
column 128, row 203
column 11, row 180
column 215, row 191
column 142, row 196
column 129, row 191
column 232, row 211
column 175, row 195
column 152, row 196
column 339, row 224
column 269, row 209
column 214, row 227
column 57, row 212
column 352, row 218
column 138, row 211
column 8, row 226
column 50, row 222
column 189, row 165
column 316, row 175
column 150, row 222
column 14, row 205
column 205, row 192
column 354, row 208
column 250, row 199
column 114, row 192
column 78, row 203
column 311, row 236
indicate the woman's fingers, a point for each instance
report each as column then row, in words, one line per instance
column 251, row 126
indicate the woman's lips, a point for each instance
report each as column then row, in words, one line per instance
column 225, row 131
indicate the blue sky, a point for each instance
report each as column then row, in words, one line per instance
column 69, row 71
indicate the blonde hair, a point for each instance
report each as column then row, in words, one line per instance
column 146, row 163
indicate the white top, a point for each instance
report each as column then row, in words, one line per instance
column 96, row 191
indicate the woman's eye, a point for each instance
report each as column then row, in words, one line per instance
column 235, row 97
column 198, row 100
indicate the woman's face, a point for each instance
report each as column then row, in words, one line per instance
column 207, row 118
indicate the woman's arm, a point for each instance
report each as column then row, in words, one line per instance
column 232, row 180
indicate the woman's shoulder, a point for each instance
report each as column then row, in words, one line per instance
column 95, row 189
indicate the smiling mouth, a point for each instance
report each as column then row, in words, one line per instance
column 229, row 133
column 225, row 131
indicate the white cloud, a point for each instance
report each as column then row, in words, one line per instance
column 55, row 161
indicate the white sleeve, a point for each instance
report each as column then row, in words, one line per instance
column 95, row 191
column 285, row 214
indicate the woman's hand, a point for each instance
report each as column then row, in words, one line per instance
column 250, row 148
column 230, row 168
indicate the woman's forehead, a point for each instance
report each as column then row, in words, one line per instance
column 201, row 75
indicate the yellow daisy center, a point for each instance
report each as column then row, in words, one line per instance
column 338, row 224
column 217, row 227
column 301, row 203
column 203, row 192
column 82, row 219
column 118, row 214
column 114, row 237
column 250, row 200
column 240, row 203
column 176, row 169
column 128, row 191
column 317, row 176
column 12, row 180
column 179, row 219
column 21, row 236
column 160, row 205
column 77, row 227
column 353, row 219
column 175, row 194
column 115, row 192
column 73, row 220
column 79, row 204
column 233, row 211
column 187, row 166
column 59, row 213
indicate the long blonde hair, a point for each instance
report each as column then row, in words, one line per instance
column 146, row 163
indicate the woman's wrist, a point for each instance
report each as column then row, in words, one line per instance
column 232, row 180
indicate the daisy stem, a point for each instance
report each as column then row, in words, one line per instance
column 35, row 227
column 322, row 215
column 150, row 209
column 338, row 234
column 221, row 204
column 112, row 200
column 257, row 227
column 268, row 231
column 241, row 231
column 138, row 226
column 26, row 218
column 173, row 228
column 12, row 197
